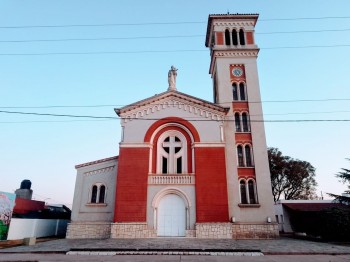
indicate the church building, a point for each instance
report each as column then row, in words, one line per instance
column 187, row 167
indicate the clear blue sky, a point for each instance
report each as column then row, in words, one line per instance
column 46, row 149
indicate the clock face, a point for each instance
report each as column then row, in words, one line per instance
column 236, row 71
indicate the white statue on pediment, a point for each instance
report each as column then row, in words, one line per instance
column 172, row 78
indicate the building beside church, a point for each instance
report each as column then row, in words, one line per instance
column 187, row 167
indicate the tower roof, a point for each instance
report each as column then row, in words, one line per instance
column 226, row 17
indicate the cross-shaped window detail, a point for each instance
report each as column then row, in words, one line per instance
column 172, row 153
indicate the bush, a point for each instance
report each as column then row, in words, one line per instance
column 335, row 224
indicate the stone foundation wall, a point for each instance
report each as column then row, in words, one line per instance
column 132, row 230
column 190, row 233
column 213, row 230
column 88, row 230
column 100, row 230
column 255, row 231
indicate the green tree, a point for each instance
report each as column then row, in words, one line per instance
column 291, row 178
column 344, row 175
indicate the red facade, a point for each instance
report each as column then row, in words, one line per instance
column 131, row 194
column 211, row 186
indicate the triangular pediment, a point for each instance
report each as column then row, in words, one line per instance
column 175, row 99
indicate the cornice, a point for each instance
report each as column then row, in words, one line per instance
column 99, row 171
column 235, row 23
column 200, row 109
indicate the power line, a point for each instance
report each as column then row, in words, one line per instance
column 120, row 105
column 305, row 18
column 194, row 120
column 159, row 37
column 100, row 25
column 99, row 52
column 302, row 31
column 164, row 23
column 159, row 51
column 100, row 38
column 57, row 115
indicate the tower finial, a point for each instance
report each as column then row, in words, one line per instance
column 172, row 78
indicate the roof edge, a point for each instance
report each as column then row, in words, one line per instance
column 97, row 162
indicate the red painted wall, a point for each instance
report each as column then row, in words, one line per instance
column 250, row 39
column 219, row 38
column 211, row 186
column 131, row 196
column 244, row 172
column 24, row 206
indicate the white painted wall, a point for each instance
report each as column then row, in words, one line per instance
column 21, row 228
column 105, row 173
column 209, row 131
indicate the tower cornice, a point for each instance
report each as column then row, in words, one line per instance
column 251, row 52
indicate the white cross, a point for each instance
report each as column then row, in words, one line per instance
column 172, row 144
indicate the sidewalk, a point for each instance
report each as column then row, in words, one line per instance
column 281, row 246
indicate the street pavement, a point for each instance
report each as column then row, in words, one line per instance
column 178, row 249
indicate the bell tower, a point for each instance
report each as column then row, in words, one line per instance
column 233, row 68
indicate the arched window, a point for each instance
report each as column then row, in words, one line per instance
column 101, row 198
column 238, row 122
column 243, row 191
column 241, row 37
column 245, row 123
column 172, row 153
column 98, row 193
column 251, row 192
column 227, row 37
column 240, row 155
column 234, row 37
column 248, row 191
column 242, row 91
column 248, row 156
column 94, row 194
column 235, row 91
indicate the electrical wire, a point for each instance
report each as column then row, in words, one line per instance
column 159, row 51
column 164, row 23
column 159, row 37
column 119, row 105
column 195, row 120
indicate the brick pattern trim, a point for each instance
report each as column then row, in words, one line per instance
column 94, row 230
column 255, row 231
column 214, row 230
column 132, row 230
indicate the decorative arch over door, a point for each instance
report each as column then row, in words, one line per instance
column 171, row 212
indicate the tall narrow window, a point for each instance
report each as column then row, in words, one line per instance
column 245, row 122
column 234, row 37
column 179, row 165
column 94, row 194
column 243, row 190
column 241, row 37
column 248, row 156
column 240, row 155
column 227, row 37
column 251, row 190
column 101, row 199
column 164, row 165
column 237, row 122
column 235, row 91
column 242, row 91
